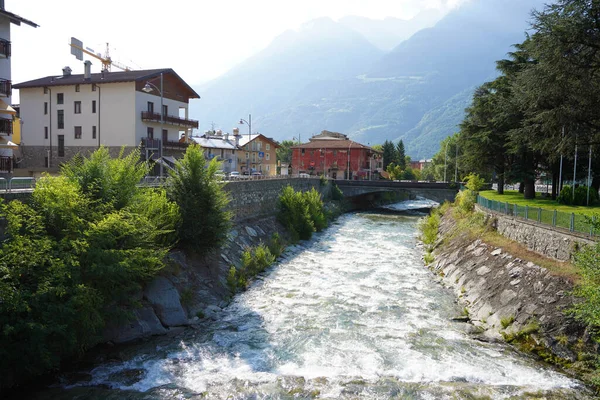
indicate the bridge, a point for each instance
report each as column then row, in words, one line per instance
column 369, row 190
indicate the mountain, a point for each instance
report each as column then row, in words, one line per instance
column 390, row 32
column 329, row 76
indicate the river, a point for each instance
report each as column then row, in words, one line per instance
column 351, row 314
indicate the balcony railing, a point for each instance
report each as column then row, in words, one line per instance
column 176, row 145
column 150, row 144
column 169, row 119
column 5, row 87
column 6, row 164
column 6, row 126
column 4, row 48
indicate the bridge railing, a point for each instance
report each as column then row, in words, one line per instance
column 571, row 221
column 17, row 184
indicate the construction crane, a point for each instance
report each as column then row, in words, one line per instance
column 78, row 50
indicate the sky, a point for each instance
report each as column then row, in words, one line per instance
column 199, row 39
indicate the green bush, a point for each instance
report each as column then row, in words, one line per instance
column 429, row 230
column 202, row 202
column 588, row 289
column 72, row 260
column 580, row 199
column 465, row 200
column 294, row 215
column 336, row 193
column 315, row 209
column 276, row 245
column 474, row 182
column 254, row 261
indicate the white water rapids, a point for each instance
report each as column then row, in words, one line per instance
column 351, row 314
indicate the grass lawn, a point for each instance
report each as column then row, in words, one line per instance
column 546, row 208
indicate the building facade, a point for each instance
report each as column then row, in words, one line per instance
column 220, row 145
column 70, row 114
column 7, row 147
column 335, row 156
column 259, row 154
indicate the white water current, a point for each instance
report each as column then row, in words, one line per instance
column 351, row 314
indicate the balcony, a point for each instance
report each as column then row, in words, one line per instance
column 5, row 87
column 4, row 48
column 169, row 119
column 175, row 145
column 6, row 165
column 6, row 126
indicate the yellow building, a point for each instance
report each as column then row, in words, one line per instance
column 259, row 154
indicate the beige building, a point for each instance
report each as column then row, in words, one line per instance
column 69, row 114
column 258, row 154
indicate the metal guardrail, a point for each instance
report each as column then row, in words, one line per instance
column 570, row 221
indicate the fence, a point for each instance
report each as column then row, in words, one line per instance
column 16, row 184
column 571, row 221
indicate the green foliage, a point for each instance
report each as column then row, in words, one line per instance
column 276, row 245
column 202, row 202
column 581, row 193
column 465, row 200
column 72, row 259
column 429, row 230
column 315, row 209
column 588, row 289
column 336, row 192
column 473, row 182
column 254, row 261
column 294, row 214
column 507, row 321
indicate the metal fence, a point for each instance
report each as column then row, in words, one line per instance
column 17, row 184
column 570, row 221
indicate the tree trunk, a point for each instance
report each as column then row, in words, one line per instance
column 521, row 187
column 529, row 188
column 500, row 173
column 554, row 185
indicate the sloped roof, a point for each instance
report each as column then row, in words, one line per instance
column 332, row 144
column 244, row 139
column 214, row 143
column 15, row 19
column 106, row 77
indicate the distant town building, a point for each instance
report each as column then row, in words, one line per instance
column 259, row 154
column 420, row 164
column 221, row 145
column 8, row 148
column 335, row 156
column 69, row 114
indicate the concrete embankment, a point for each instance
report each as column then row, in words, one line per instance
column 507, row 298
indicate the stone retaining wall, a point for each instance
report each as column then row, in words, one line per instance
column 548, row 241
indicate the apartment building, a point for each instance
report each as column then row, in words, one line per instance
column 259, row 154
column 75, row 114
column 223, row 146
column 7, row 113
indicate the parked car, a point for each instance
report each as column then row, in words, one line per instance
column 234, row 175
column 304, row 175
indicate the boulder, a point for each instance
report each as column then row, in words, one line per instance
column 164, row 298
column 143, row 324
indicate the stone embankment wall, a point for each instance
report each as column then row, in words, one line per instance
column 191, row 288
column 548, row 241
column 504, row 295
column 258, row 198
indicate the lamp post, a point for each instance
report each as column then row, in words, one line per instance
column 249, row 123
column 148, row 88
column 50, row 128
column 446, row 162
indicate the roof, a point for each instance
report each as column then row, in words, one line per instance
column 15, row 19
column 214, row 143
column 106, row 77
column 244, row 139
column 332, row 144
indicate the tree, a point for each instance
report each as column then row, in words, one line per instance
column 284, row 153
column 192, row 185
column 389, row 153
column 401, row 155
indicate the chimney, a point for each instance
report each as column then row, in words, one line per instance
column 226, row 136
column 87, row 68
column 2, row 4
column 67, row 71
column 236, row 135
column 219, row 132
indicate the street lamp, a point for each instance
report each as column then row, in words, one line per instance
column 148, row 87
column 249, row 123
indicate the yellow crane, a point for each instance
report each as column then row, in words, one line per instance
column 78, row 50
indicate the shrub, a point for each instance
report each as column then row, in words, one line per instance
column 315, row 209
column 580, row 199
column 466, row 200
column 336, row 193
column 588, row 289
column 202, row 202
column 275, row 245
column 429, row 230
column 474, row 182
column 294, row 214
column 507, row 321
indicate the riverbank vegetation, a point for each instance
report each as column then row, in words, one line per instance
column 301, row 213
column 74, row 258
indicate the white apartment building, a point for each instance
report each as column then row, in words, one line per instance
column 220, row 145
column 6, row 111
column 69, row 114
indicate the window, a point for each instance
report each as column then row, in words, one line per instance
column 93, row 88
column 77, row 132
column 150, row 133
column 335, row 153
column 60, row 98
column 165, row 135
column 61, row 119
column 45, row 132
column 61, row 145
column 45, row 107
column 94, row 132
column 165, row 110
column 302, row 151
column 267, row 147
column 77, row 107
column 150, row 107
column 253, row 157
column 77, row 88
column 268, row 166
column 45, row 90
column 247, row 155
column 93, row 106
column 268, row 156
